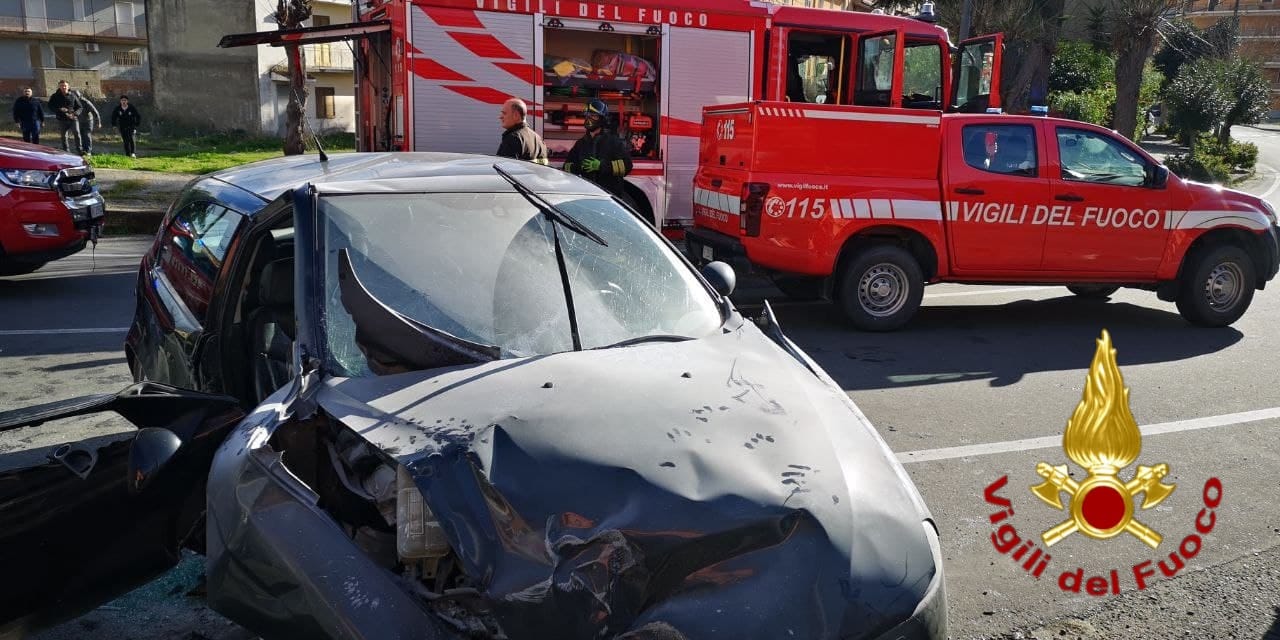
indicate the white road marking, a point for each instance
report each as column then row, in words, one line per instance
column 1275, row 181
column 961, row 294
column 54, row 332
column 1047, row 442
column 90, row 254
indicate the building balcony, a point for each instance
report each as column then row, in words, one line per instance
column 334, row 57
column 71, row 29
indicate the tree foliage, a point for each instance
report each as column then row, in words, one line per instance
column 1246, row 92
column 1184, row 43
column 1078, row 67
column 1137, row 25
column 1195, row 99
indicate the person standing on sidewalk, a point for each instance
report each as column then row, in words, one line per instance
column 126, row 118
column 29, row 114
column 66, row 107
column 90, row 119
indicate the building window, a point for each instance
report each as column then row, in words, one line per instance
column 325, row 108
column 64, row 57
column 126, row 58
column 319, row 21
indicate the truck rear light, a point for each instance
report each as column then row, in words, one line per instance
column 753, row 195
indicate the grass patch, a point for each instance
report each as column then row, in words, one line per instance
column 176, row 162
column 192, row 155
column 125, row 188
column 205, row 154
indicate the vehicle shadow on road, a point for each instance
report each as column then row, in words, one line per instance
column 85, row 364
column 1274, row 632
column 999, row 343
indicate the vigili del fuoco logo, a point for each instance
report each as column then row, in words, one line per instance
column 1103, row 439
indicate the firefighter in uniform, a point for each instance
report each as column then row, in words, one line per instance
column 599, row 156
column 518, row 140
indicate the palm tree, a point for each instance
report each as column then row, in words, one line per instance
column 1136, row 25
column 290, row 14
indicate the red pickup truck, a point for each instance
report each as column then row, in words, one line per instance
column 49, row 206
column 865, row 206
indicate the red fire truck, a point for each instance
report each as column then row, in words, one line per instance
column 866, row 205
column 435, row 78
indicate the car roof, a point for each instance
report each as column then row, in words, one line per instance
column 403, row 172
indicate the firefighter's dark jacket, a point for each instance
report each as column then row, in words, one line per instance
column 522, row 143
column 614, row 156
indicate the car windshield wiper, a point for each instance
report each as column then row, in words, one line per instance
column 661, row 337
column 557, row 218
column 550, row 210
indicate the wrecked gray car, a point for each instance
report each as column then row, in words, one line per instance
column 513, row 410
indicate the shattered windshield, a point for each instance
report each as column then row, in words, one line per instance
column 482, row 267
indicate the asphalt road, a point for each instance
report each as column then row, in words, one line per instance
column 977, row 389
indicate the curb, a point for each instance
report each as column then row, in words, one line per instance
column 131, row 221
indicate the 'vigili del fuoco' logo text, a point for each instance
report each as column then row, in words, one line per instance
column 1102, row 438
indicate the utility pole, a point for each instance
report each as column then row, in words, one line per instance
column 966, row 19
column 290, row 14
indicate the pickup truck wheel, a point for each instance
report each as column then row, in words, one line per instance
column 799, row 287
column 1092, row 291
column 1217, row 286
column 881, row 288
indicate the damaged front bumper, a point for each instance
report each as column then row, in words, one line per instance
column 278, row 564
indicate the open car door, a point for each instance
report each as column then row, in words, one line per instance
column 975, row 86
column 84, row 522
column 878, row 80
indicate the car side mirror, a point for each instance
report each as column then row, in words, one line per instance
column 151, row 451
column 721, row 277
column 1158, row 177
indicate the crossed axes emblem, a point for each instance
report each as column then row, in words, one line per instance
column 1103, row 437
column 1146, row 481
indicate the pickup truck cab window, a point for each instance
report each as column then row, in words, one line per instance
column 978, row 62
column 1004, row 149
column 876, row 61
column 816, row 67
column 922, row 76
column 1091, row 157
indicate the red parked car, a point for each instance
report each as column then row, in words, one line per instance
column 49, row 206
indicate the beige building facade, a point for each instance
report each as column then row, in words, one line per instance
column 203, row 86
column 331, row 103
column 1259, row 33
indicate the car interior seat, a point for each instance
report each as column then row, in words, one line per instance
column 1010, row 154
column 272, row 328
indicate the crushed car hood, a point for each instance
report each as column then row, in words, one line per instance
column 700, row 489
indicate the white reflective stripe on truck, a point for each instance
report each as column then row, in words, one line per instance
column 718, row 201
column 1209, row 219
column 853, row 208
column 869, row 117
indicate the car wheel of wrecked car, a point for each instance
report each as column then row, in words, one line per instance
column 1092, row 291
column 1217, row 286
column 881, row 288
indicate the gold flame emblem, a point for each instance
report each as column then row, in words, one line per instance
column 1102, row 437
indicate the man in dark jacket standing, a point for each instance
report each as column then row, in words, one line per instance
column 600, row 156
column 90, row 119
column 126, row 118
column 67, row 108
column 518, row 140
column 29, row 114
